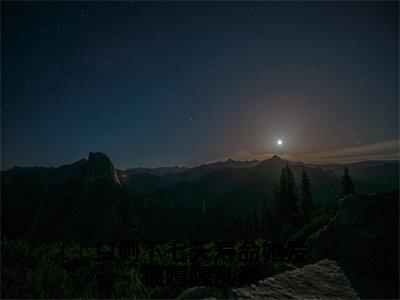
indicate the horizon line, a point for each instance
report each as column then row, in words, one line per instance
column 282, row 157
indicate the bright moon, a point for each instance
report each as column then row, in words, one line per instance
column 279, row 142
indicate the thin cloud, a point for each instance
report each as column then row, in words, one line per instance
column 382, row 150
column 379, row 151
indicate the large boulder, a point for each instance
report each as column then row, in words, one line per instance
column 322, row 280
column 364, row 237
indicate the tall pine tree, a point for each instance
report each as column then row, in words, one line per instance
column 126, row 227
column 347, row 183
column 268, row 217
column 306, row 204
column 286, row 195
column 256, row 227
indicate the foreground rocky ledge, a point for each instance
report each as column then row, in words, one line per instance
column 322, row 280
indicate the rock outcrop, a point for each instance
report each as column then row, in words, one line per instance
column 364, row 237
column 323, row 280
column 355, row 255
column 71, row 202
column 99, row 166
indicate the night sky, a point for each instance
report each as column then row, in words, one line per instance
column 159, row 84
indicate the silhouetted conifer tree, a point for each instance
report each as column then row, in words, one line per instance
column 239, row 229
column 286, row 195
column 263, row 221
column 235, row 230
column 268, row 218
column 126, row 227
column 256, row 229
column 347, row 183
column 306, row 205
column 249, row 228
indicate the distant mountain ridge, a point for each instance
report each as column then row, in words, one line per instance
column 197, row 171
column 229, row 172
column 78, row 201
column 385, row 173
column 154, row 171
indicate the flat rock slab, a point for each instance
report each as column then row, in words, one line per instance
column 322, row 280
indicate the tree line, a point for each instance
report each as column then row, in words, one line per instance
column 287, row 207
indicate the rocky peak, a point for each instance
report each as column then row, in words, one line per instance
column 99, row 166
column 275, row 158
